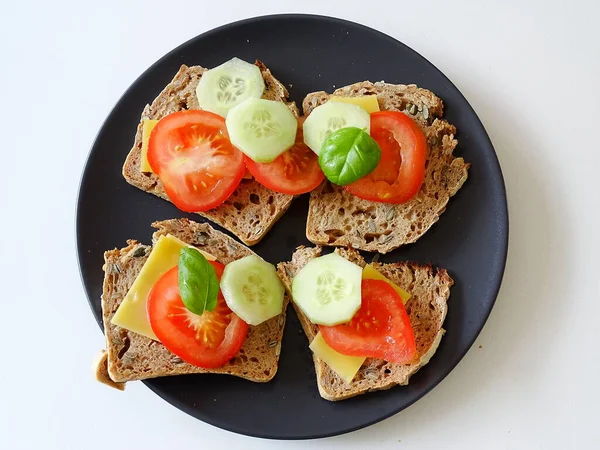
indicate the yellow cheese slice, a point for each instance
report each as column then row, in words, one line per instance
column 345, row 366
column 367, row 102
column 369, row 273
column 147, row 127
column 131, row 313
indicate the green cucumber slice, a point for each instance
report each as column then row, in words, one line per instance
column 331, row 116
column 252, row 289
column 228, row 85
column 327, row 290
column 262, row 129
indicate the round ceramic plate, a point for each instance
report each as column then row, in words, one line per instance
column 470, row 239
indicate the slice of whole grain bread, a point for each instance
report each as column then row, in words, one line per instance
column 132, row 356
column 336, row 217
column 427, row 307
column 252, row 209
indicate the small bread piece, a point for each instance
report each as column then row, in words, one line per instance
column 132, row 356
column 252, row 209
column 336, row 217
column 101, row 371
column 427, row 307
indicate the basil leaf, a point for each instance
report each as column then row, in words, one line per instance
column 348, row 154
column 198, row 282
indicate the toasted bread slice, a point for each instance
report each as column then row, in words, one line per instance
column 132, row 356
column 427, row 307
column 252, row 209
column 336, row 217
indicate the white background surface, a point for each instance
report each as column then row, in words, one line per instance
column 530, row 71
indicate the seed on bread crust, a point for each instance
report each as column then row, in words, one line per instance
column 140, row 251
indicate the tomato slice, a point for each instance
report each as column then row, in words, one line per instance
column 379, row 329
column 295, row 172
column 207, row 341
column 401, row 169
column 191, row 154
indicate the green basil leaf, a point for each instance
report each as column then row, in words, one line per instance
column 348, row 154
column 198, row 282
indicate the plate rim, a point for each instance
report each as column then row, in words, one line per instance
column 495, row 283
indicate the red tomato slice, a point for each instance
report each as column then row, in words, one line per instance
column 209, row 340
column 295, row 172
column 379, row 329
column 401, row 169
column 191, row 154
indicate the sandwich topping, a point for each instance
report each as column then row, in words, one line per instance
column 198, row 308
column 228, row 85
column 131, row 313
column 360, row 314
column 295, row 172
column 401, row 169
column 327, row 290
column 198, row 281
column 252, row 289
column 380, row 328
column 262, row 129
column 192, row 156
column 201, row 156
column 330, row 117
column 208, row 340
column 348, row 154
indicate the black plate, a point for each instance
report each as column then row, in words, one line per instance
column 470, row 239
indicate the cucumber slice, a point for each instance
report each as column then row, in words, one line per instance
column 262, row 129
column 331, row 116
column 327, row 290
column 252, row 289
column 228, row 85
